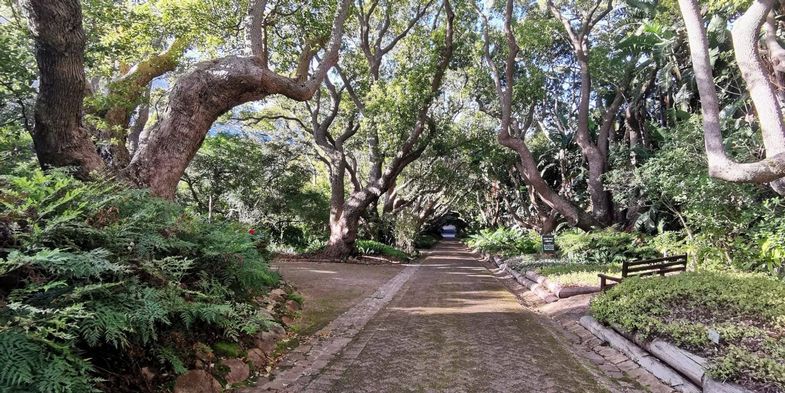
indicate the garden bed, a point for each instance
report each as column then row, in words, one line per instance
column 736, row 322
column 563, row 278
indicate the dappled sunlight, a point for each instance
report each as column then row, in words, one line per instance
column 321, row 271
column 461, row 309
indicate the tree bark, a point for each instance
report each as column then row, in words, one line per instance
column 746, row 33
column 127, row 92
column 574, row 215
column 720, row 165
column 58, row 135
column 197, row 99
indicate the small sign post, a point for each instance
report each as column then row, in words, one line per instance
column 548, row 243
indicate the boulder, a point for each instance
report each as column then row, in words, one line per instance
column 292, row 306
column 196, row 381
column 278, row 329
column 238, row 370
column 277, row 295
column 266, row 341
column 257, row 358
column 287, row 320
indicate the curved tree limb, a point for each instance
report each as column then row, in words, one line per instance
column 720, row 165
column 208, row 91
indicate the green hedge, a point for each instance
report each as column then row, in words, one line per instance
column 747, row 310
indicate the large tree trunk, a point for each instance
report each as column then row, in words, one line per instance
column 344, row 226
column 601, row 206
column 344, row 220
column 574, row 215
column 596, row 154
column 59, row 137
column 195, row 102
column 343, row 235
column 126, row 93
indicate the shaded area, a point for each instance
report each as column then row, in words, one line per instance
column 330, row 289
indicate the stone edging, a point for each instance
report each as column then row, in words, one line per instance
column 683, row 370
column 307, row 361
column 557, row 289
column 538, row 284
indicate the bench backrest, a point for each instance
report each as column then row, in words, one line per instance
column 658, row 266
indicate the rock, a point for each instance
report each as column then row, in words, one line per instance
column 238, row 370
column 266, row 341
column 257, row 358
column 291, row 305
column 277, row 295
column 279, row 330
column 287, row 320
column 196, row 381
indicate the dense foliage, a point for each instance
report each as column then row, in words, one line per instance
column 505, row 241
column 262, row 182
column 372, row 247
column 748, row 312
column 606, row 246
column 96, row 278
column 509, row 119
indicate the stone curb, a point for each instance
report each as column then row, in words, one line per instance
column 557, row 289
column 540, row 285
column 683, row 370
column 534, row 287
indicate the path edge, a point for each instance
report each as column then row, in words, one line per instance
column 333, row 338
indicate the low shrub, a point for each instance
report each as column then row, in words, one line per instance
column 570, row 274
column 372, row 247
column 506, row 241
column 606, row 246
column 97, row 281
column 425, row 241
column 747, row 310
column 566, row 273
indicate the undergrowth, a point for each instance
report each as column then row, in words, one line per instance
column 95, row 277
column 748, row 312
column 505, row 241
column 372, row 247
column 606, row 246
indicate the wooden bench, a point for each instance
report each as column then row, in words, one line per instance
column 647, row 267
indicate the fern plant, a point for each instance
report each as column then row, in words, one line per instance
column 104, row 278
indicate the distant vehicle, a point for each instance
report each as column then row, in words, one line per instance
column 448, row 232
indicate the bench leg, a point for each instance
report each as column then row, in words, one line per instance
column 602, row 283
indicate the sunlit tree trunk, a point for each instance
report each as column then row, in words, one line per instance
column 595, row 152
column 574, row 215
column 745, row 34
column 197, row 99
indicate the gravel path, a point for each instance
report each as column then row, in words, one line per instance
column 452, row 327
